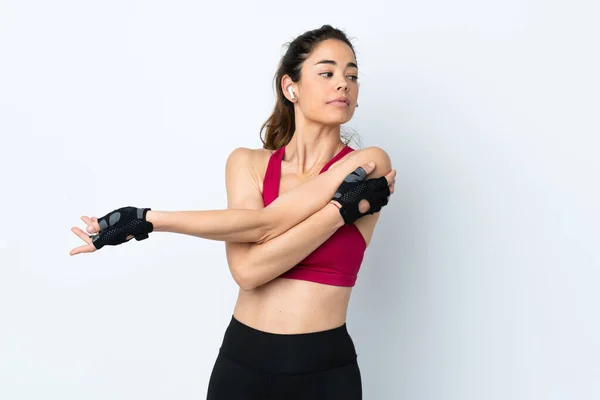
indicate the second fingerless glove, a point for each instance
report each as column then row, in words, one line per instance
column 354, row 189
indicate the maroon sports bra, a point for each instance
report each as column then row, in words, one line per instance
column 338, row 260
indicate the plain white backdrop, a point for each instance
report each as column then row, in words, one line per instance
column 481, row 280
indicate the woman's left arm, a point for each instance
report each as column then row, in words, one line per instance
column 251, row 225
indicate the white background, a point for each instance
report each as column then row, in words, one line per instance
column 481, row 280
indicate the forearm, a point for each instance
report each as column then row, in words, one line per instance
column 231, row 225
column 264, row 262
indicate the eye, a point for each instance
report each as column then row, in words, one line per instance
column 352, row 77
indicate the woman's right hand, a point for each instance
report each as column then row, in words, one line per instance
column 357, row 197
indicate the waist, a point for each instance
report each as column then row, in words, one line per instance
column 293, row 306
column 287, row 353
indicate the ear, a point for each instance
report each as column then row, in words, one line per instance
column 286, row 83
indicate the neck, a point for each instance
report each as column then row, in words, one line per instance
column 312, row 147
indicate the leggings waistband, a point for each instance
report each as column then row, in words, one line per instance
column 288, row 353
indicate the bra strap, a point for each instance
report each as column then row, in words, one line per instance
column 272, row 176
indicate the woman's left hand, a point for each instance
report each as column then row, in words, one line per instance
column 117, row 227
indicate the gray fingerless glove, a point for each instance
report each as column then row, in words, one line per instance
column 117, row 225
column 354, row 189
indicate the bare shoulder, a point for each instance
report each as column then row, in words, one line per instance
column 248, row 164
column 245, row 155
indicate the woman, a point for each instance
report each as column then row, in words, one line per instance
column 294, row 242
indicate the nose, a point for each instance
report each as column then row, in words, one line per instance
column 342, row 84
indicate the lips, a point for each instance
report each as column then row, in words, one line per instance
column 339, row 101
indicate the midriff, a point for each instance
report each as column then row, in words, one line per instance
column 289, row 306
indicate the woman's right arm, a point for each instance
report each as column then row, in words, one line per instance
column 238, row 224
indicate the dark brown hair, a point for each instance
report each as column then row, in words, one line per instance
column 280, row 126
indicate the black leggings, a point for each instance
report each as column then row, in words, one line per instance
column 253, row 364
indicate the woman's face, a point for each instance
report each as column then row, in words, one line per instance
column 330, row 72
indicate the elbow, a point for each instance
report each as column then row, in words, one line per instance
column 243, row 278
column 247, row 286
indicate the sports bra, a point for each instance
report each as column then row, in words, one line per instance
column 337, row 261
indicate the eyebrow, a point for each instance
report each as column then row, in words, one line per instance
column 350, row 64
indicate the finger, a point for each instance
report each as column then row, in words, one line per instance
column 96, row 224
column 84, row 236
column 92, row 224
column 391, row 176
column 87, row 248
column 370, row 167
column 364, row 206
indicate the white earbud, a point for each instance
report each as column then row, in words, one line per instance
column 291, row 92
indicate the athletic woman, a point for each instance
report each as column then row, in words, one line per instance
column 300, row 215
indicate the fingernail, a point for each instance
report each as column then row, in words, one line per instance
column 371, row 164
